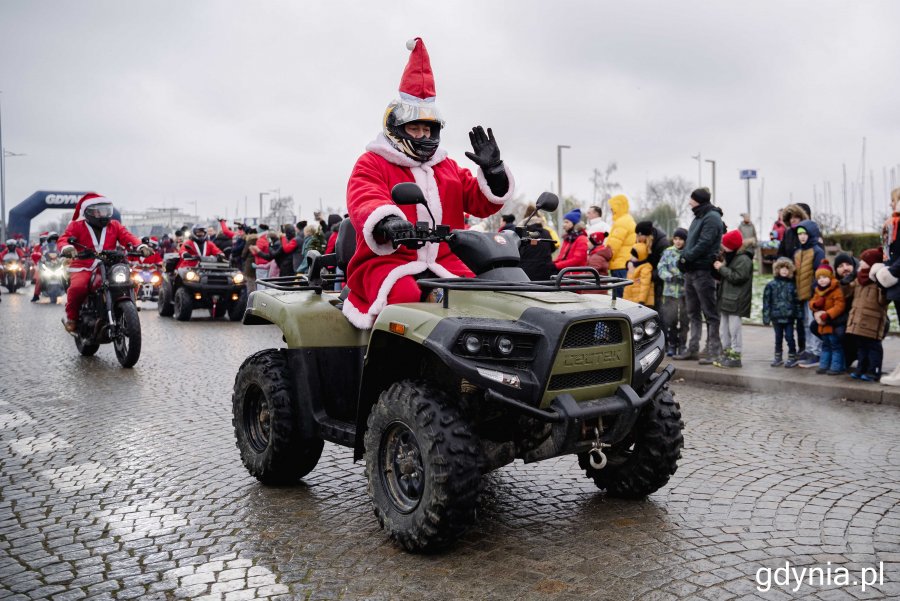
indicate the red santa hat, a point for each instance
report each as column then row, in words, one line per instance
column 418, row 79
column 89, row 199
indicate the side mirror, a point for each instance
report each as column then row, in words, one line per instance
column 547, row 201
column 408, row 193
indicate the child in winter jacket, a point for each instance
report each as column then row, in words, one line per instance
column 780, row 309
column 806, row 259
column 599, row 255
column 867, row 318
column 827, row 305
column 673, row 308
column 735, row 294
column 641, row 291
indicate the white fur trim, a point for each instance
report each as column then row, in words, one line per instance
column 365, row 321
column 383, row 148
column 393, row 277
column 486, row 190
column 874, row 269
column 411, row 44
column 886, row 278
column 356, row 317
column 369, row 226
column 89, row 203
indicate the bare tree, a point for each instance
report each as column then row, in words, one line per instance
column 604, row 187
column 671, row 191
column 828, row 223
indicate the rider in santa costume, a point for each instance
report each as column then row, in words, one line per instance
column 93, row 228
column 407, row 150
column 198, row 245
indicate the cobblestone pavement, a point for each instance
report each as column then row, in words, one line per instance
column 126, row 484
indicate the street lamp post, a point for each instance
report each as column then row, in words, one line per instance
column 699, row 170
column 713, row 179
column 261, row 194
column 559, row 208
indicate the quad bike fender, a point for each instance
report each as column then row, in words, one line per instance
column 306, row 319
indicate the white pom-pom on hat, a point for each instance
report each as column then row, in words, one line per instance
column 411, row 44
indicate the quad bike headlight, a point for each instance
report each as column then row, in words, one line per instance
column 637, row 334
column 137, row 278
column 504, row 345
column 238, row 278
column 154, row 279
column 472, row 344
column 651, row 327
column 191, row 276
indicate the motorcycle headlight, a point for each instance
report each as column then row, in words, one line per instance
column 238, row 278
column 137, row 278
column 191, row 276
column 154, row 279
column 119, row 274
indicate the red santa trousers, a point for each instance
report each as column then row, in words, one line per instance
column 79, row 283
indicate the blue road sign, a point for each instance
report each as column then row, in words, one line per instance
column 748, row 173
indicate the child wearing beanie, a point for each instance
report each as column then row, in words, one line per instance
column 827, row 305
column 780, row 309
column 673, row 307
column 641, row 291
column 599, row 255
column 868, row 316
column 734, row 296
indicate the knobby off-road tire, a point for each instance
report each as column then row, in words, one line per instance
column 646, row 467
column 128, row 347
column 164, row 303
column 267, row 421
column 416, row 434
column 184, row 305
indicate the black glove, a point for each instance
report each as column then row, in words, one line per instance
column 220, row 258
column 487, row 156
column 393, row 228
column 487, row 153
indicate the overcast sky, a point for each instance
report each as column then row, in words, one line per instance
column 167, row 103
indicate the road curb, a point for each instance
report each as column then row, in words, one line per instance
column 866, row 393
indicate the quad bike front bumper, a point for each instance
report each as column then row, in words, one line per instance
column 571, row 429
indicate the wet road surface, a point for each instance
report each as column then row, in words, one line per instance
column 126, row 484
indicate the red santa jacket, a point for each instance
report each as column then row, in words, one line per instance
column 205, row 249
column 110, row 236
column 154, row 259
column 449, row 189
column 8, row 250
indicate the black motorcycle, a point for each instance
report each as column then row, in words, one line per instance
column 109, row 313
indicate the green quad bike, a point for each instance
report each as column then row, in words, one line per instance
column 437, row 394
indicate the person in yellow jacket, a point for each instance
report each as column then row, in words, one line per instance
column 621, row 238
column 642, row 275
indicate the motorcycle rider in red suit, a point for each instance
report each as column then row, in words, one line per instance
column 93, row 227
column 198, row 245
column 407, row 150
